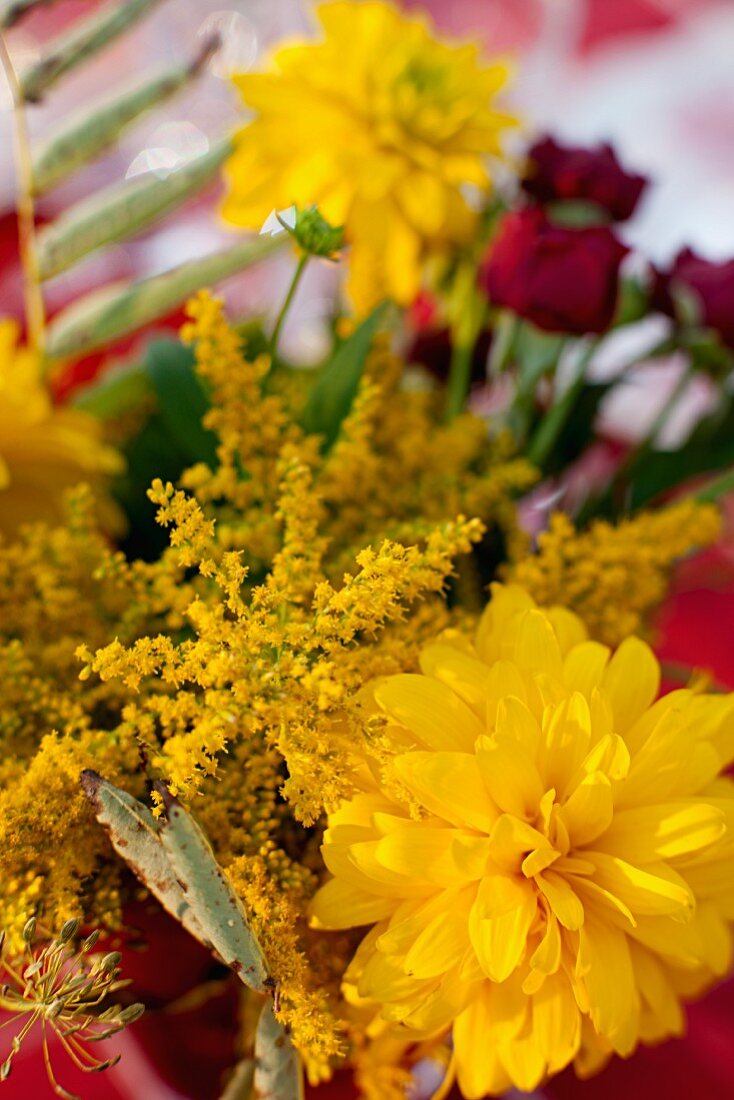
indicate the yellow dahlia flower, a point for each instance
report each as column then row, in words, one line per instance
column 44, row 449
column 379, row 124
column 547, row 856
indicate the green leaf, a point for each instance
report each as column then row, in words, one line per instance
column 117, row 310
column 120, row 211
column 135, row 836
column 182, row 402
column 89, row 132
column 116, row 392
column 335, row 388
column 709, row 449
column 504, row 333
column 278, row 1073
column 239, row 1086
column 85, row 38
column 175, row 861
column 218, row 910
column 536, row 353
column 633, row 303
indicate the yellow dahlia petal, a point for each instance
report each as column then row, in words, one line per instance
column 466, row 675
column 443, row 942
column 441, row 857
column 562, row 899
column 648, row 891
column 537, row 647
column 584, row 665
column 509, row 775
column 450, row 785
column 590, row 809
column 571, row 880
column 479, row 1070
column 556, row 1022
column 430, row 710
column 631, row 681
column 605, row 967
column 664, row 831
column 499, row 924
column 340, row 905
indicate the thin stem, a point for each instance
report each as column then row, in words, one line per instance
column 643, row 449
column 295, row 282
column 553, row 423
column 459, row 379
column 716, row 489
column 614, row 492
column 34, row 307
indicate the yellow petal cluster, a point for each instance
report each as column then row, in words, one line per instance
column 44, row 449
column 546, row 856
column 382, row 126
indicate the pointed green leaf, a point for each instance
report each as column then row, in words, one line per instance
column 240, row 1084
column 278, row 1073
column 88, row 133
column 120, row 211
column 135, row 836
column 117, row 310
column 218, row 909
column 334, row 391
column 116, row 392
column 85, row 38
column 182, row 402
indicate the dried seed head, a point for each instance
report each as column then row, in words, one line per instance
column 30, row 930
column 91, row 940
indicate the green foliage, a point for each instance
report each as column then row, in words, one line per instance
column 334, row 390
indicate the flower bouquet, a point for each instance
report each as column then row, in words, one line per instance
column 345, row 747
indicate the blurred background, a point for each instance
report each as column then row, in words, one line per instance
column 652, row 76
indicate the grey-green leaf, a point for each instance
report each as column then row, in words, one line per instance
column 88, row 133
column 117, row 310
column 240, row 1084
column 120, row 211
column 135, row 836
column 85, row 38
column 278, row 1072
column 218, row 909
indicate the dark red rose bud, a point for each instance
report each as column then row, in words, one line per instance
column 560, row 173
column 710, row 284
column 563, row 280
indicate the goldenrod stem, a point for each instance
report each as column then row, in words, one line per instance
column 34, row 307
